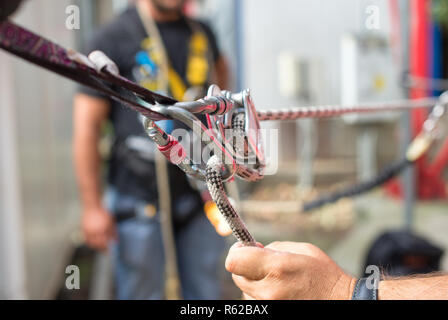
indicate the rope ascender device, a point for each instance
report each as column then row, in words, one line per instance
column 231, row 138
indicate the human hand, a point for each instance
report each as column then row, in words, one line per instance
column 97, row 60
column 103, row 62
column 288, row 271
column 98, row 228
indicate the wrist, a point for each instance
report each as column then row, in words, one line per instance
column 365, row 289
column 382, row 290
column 344, row 288
column 92, row 203
column 394, row 290
column 91, row 197
column 352, row 288
column 93, row 208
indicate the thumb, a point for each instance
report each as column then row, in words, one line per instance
column 249, row 262
column 305, row 249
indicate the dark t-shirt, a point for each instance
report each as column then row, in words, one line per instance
column 121, row 41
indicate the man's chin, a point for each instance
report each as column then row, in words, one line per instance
column 167, row 8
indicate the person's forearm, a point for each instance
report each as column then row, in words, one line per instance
column 87, row 162
column 88, row 116
column 419, row 288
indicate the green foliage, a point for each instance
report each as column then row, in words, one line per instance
column 440, row 12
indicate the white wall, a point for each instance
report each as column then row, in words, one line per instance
column 37, row 171
column 12, row 253
column 311, row 29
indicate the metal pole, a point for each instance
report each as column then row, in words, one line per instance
column 88, row 18
column 172, row 279
column 238, row 10
column 101, row 283
column 408, row 180
column 306, row 132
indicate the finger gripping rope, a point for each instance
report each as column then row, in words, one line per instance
column 218, row 194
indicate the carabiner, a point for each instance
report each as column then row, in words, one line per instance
column 169, row 144
column 228, row 115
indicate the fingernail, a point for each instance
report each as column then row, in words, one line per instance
column 236, row 245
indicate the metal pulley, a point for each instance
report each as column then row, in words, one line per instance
column 232, row 134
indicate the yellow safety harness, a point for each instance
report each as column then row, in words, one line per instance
column 167, row 80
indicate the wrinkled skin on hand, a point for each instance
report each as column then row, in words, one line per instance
column 288, row 271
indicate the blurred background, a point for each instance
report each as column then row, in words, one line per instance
column 289, row 53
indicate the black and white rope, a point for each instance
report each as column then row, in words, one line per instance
column 216, row 188
column 239, row 137
column 387, row 174
column 338, row 110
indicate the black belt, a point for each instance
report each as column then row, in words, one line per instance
column 77, row 67
column 122, row 216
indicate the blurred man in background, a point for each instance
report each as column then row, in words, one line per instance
column 153, row 44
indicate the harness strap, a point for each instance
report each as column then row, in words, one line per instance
column 198, row 63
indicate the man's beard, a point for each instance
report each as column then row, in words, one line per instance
column 158, row 4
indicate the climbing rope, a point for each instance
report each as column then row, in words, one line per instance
column 416, row 150
column 216, row 188
column 339, row 110
column 384, row 176
column 224, row 110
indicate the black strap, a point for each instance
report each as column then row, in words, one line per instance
column 123, row 216
column 40, row 51
column 362, row 292
column 383, row 177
